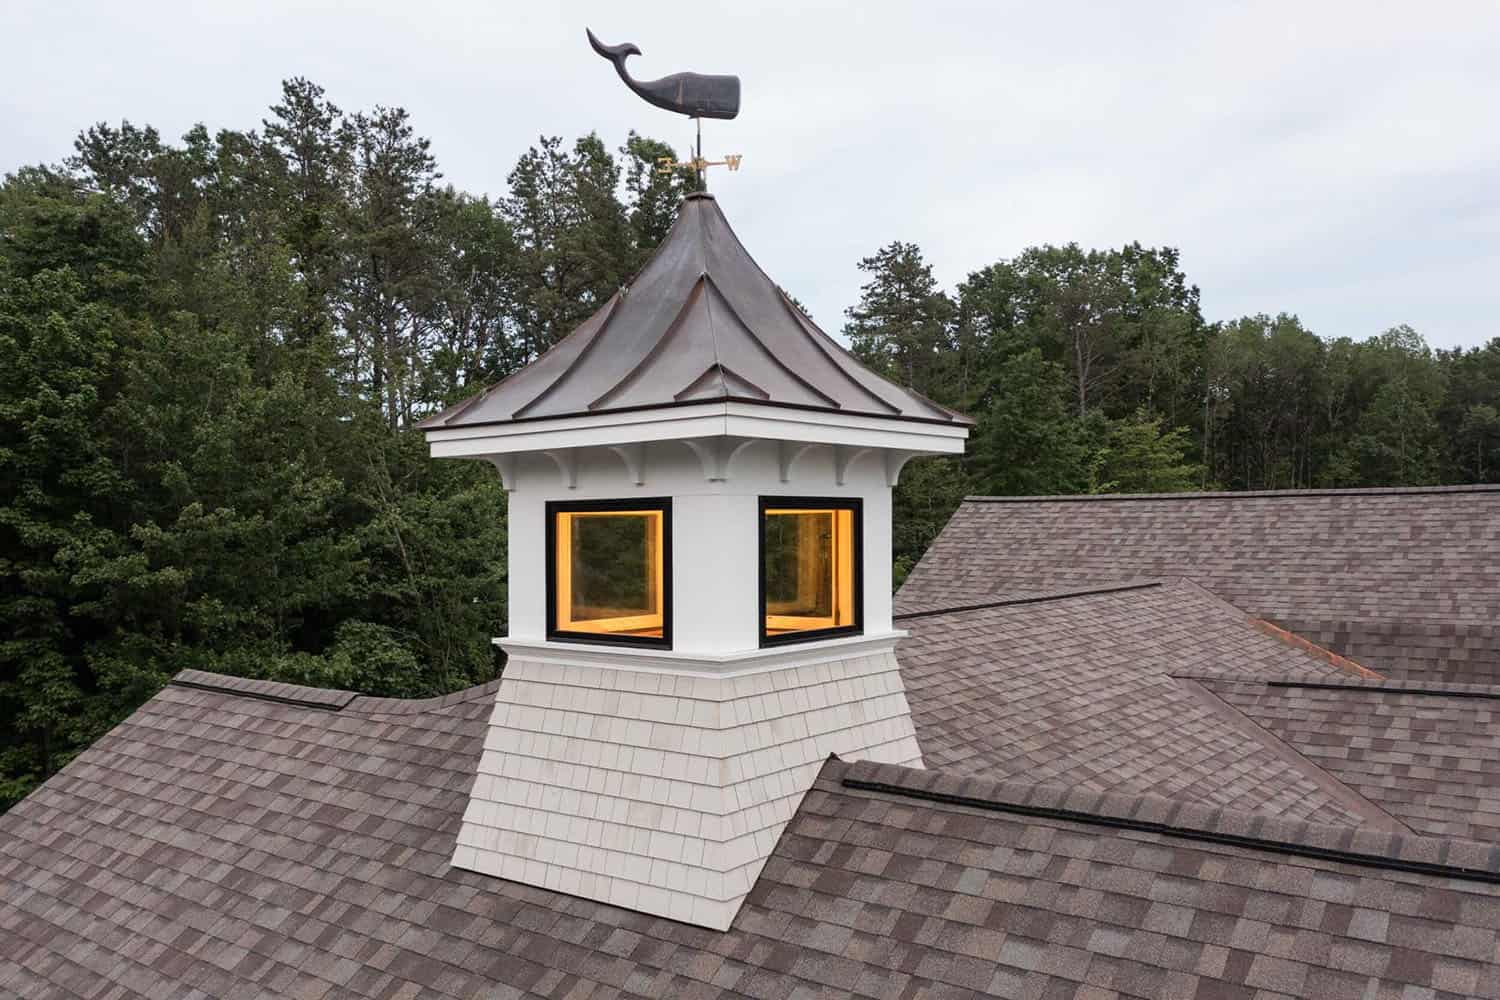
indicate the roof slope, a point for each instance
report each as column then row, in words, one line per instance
column 1001, row 894
column 1404, row 580
column 701, row 322
column 1077, row 689
column 1428, row 754
column 221, row 844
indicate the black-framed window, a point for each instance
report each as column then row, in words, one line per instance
column 811, row 568
column 609, row 571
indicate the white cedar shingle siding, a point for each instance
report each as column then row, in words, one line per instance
column 666, row 793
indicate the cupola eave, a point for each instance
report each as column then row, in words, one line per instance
column 701, row 333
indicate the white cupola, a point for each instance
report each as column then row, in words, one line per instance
column 700, row 582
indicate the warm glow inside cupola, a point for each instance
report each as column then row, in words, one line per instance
column 700, row 581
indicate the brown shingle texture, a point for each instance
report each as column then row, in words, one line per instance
column 1077, row 690
column 1427, row 754
column 1405, row 581
column 1066, row 909
column 221, row 844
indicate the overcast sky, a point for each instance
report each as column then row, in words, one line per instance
column 1337, row 161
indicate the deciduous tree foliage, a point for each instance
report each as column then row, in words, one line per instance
column 1094, row 371
column 213, row 353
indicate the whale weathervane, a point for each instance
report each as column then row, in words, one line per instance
column 697, row 95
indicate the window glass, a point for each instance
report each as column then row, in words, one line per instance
column 609, row 572
column 810, row 554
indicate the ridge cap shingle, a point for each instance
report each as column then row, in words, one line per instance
column 1445, row 857
column 1238, row 494
column 1372, row 685
column 330, row 699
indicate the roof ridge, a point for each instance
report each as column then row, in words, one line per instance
column 331, row 699
column 1329, row 783
column 1434, row 689
column 1038, row 597
column 379, row 705
column 1240, row 494
column 327, row 699
column 1467, row 860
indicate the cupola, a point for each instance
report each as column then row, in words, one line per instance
column 699, row 518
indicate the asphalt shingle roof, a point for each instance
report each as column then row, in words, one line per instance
column 1134, row 790
column 1428, row 754
column 1148, row 898
column 1403, row 580
column 227, row 844
column 1079, row 690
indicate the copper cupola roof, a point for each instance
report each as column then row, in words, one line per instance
column 701, row 323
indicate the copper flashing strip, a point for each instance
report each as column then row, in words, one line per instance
column 835, row 353
column 327, row 699
column 1060, row 595
column 1327, row 783
column 678, row 322
column 1328, row 656
column 584, row 352
column 440, row 419
column 725, row 373
column 770, row 355
column 802, row 323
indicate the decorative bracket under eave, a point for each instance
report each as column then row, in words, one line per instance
column 566, row 460
column 895, row 461
column 787, row 453
column 506, row 466
column 843, row 457
column 634, row 457
column 716, row 454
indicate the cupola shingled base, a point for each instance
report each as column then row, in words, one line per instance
column 664, row 790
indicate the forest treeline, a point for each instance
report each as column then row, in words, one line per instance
column 1094, row 371
column 213, row 352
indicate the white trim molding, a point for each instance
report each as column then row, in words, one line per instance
column 709, row 420
column 666, row 661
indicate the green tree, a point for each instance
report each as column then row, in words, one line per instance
column 1478, row 442
column 900, row 326
column 1137, row 455
column 573, row 235
column 1472, row 380
column 387, row 282
column 473, row 267
column 653, row 194
column 1397, row 389
column 58, row 353
column 1266, row 404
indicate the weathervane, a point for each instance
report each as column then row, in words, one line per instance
column 697, row 95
